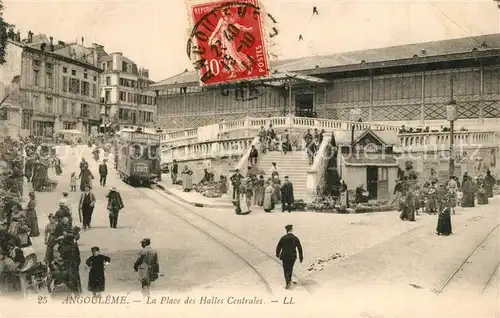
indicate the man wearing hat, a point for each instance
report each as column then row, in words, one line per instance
column 63, row 212
column 86, row 206
column 287, row 198
column 146, row 266
column 103, row 172
column 115, row 204
column 286, row 251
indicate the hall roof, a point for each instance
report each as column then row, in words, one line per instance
column 388, row 137
column 342, row 61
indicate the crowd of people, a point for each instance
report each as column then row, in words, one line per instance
column 19, row 225
column 411, row 130
column 441, row 198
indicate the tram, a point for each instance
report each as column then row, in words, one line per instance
column 138, row 157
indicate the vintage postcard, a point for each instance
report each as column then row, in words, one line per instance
column 253, row 158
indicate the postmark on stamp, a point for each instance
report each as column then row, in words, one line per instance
column 227, row 42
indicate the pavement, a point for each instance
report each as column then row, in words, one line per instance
column 193, row 198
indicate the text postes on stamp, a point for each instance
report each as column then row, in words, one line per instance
column 226, row 43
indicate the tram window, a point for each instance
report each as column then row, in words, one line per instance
column 136, row 151
column 153, row 151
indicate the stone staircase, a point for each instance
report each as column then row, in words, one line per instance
column 294, row 165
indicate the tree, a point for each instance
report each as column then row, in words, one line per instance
column 4, row 30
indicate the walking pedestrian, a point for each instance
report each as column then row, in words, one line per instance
column 103, row 172
column 50, row 239
column 86, row 207
column 286, row 251
column 31, row 216
column 97, row 264
column 287, row 198
column 115, row 204
column 146, row 266
column 70, row 255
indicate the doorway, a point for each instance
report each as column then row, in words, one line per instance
column 304, row 105
column 372, row 181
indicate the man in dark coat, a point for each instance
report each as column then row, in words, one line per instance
column 286, row 251
column 103, row 172
column 287, row 198
column 146, row 266
column 236, row 183
column 174, row 172
column 86, row 207
column 253, row 156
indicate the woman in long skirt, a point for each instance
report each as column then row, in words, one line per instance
column 482, row 196
column 444, row 222
column 31, row 216
column 57, row 166
column 468, row 190
column 268, row 197
column 407, row 210
column 97, row 264
column 187, row 179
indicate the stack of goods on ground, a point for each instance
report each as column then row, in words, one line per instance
column 212, row 189
column 331, row 204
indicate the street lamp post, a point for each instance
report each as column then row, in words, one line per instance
column 451, row 116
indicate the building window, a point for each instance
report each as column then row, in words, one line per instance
column 36, row 78
column 84, row 111
column 73, row 108
column 94, row 90
column 85, row 75
column 50, row 80
column 26, row 121
column 35, row 103
column 124, row 66
column 73, row 72
column 103, row 66
column 85, row 88
column 64, row 107
column 74, row 86
column 107, row 96
column 36, row 63
column 48, row 67
column 65, row 70
column 129, row 97
column 123, row 96
column 95, row 78
column 65, row 84
column 49, row 107
column 108, row 80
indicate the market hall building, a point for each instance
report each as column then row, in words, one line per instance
column 407, row 83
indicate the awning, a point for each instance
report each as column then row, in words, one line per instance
column 369, row 159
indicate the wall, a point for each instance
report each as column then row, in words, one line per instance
column 398, row 97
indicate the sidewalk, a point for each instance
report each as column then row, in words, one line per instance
column 193, row 198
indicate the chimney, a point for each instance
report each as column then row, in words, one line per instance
column 18, row 35
column 30, row 36
column 51, row 44
column 83, row 41
column 61, row 43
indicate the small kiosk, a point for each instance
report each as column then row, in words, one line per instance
column 367, row 158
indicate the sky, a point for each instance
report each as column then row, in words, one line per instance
column 153, row 33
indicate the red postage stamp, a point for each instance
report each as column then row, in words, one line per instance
column 227, row 42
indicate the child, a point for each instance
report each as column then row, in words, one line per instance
column 72, row 182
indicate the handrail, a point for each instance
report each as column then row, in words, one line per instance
column 315, row 175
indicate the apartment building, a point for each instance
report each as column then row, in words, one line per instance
column 58, row 86
column 124, row 90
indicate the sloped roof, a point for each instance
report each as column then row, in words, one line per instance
column 393, row 53
column 343, row 137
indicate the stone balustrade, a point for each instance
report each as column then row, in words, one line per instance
column 415, row 142
column 441, row 140
column 248, row 127
column 208, row 150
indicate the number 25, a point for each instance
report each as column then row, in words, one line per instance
column 42, row 300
